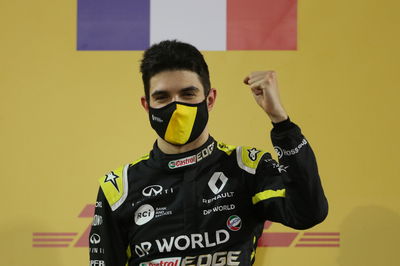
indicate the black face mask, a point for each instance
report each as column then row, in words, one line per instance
column 179, row 123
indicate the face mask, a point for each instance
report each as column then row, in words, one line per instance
column 179, row 123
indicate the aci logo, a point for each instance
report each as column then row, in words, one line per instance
column 234, row 223
column 289, row 239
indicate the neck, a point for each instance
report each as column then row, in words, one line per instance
column 169, row 148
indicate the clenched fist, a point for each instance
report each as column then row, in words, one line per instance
column 264, row 86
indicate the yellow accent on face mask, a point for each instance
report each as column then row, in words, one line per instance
column 181, row 124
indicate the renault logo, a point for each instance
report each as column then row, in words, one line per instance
column 217, row 182
column 152, row 190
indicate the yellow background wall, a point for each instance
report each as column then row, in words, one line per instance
column 68, row 117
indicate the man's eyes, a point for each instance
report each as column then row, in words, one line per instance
column 164, row 97
column 159, row 98
column 189, row 94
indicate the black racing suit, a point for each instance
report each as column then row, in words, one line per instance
column 206, row 206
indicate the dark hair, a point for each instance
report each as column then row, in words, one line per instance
column 173, row 55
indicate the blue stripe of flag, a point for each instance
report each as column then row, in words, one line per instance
column 113, row 24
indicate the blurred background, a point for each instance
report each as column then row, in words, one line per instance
column 70, row 112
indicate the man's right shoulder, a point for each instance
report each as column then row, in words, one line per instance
column 115, row 183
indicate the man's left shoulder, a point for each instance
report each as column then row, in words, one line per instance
column 247, row 157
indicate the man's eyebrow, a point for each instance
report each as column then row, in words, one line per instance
column 165, row 92
column 159, row 93
column 190, row 88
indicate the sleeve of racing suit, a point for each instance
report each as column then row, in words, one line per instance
column 290, row 192
column 107, row 241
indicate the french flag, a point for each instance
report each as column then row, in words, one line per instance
column 214, row 25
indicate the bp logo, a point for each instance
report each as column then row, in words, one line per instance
column 234, row 223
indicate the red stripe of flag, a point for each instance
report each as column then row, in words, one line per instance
column 53, row 234
column 276, row 239
column 262, row 25
column 88, row 211
column 50, row 245
column 319, row 239
column 322, row 234
column 317, row 245
column 52, row 239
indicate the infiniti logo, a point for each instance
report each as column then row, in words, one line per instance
column 95, row 239
column 152, row 190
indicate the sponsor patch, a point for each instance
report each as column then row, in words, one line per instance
column 218, row 197
column 282, row 152
column 97, row 263
column 217, row 182
column 163, row 262
column 192, row 159
column 162, row 211
column 152, row 190
column 182, row 162
column 156, row 118
column 234, row 223
column 144, row 214
column 111, row 177
column 97, row 220
column 253, row 154
column 220, row 208
column 281, row 168
column 95, row 239
column 96, row 250
column 221, row 258
column 183, row 242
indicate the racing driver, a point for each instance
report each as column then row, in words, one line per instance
column 193, row 200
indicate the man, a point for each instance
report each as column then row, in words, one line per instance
column 193, row 200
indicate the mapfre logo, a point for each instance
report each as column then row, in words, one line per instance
column 163, row 262
column 97, row 263
column 217, row 182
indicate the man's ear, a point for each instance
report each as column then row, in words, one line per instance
column 211, row 97
column 144, row 103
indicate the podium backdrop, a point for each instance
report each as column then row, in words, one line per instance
column 70, row 112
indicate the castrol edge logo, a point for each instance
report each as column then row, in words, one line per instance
column 192, row 159
column 164, row 262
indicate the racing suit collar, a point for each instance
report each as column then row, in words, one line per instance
column 184, row 160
